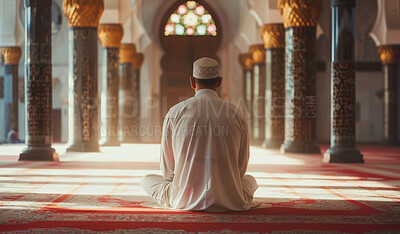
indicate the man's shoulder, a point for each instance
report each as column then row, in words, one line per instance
column 177, row 108
column 235, row 109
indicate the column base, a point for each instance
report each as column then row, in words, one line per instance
column 256, row 142
column 272, row 143
column 343, row 155
column 39, row 153
column 301, row 148
column 131, row 140
column 390, row 143
column 111, row 142
column 84, row 147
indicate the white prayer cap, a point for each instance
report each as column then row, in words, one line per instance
column 206, row 68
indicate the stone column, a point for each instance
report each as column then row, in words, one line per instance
column 246, row 62
column 389, row 55
column 137, row 63
column 274, row 43
column 38, row 82
column 129, row 94
column 110, row 36
column 343, row 86
column 11, row 57
column 300, row 20
column 258, row 53
column 83, row 18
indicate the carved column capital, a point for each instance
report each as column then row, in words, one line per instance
column 127, row 53
column 389, row 53
column 137, row 61
column 300, row 13
column 110, row 35
column 83, row 13
column 246, row 61
column 11, row 54
column 344, row 3
column 258, row 53
column 273, row 36
column 38, row 3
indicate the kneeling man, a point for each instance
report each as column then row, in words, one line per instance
column 204, row 151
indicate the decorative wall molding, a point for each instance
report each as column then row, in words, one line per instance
column 386, row 29
column 256, row 17
column 12, row 30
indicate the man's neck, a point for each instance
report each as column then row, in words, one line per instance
column 200, row 88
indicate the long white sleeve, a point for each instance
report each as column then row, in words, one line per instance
column 244, row 152
column 167, row 162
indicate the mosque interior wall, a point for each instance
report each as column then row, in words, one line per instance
column 253, row 13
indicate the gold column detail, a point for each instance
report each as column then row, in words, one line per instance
column 273, row 36
column 11, row 54
column 389, row 53
column 83, row 13
column 258, row 53
column 137, row 61
column 246, row 61
column 127, row 53
column 300, row 13
column 110, row 35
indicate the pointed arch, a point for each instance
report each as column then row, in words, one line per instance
column 190, row 19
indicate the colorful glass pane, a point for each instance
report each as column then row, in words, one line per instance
column 205, row 18
column 182, row 10
column 201, row 29
column 191, row 4
column 190, row 19
column 169, row 29
column 200, row 10
column 179, row 29
column 211, row 29
column 189, row 31
column 175, row 18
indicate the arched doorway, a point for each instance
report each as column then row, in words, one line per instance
column 180, row 51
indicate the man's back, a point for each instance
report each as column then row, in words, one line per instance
column 205, row 153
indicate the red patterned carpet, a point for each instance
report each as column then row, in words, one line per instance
column 99, row 192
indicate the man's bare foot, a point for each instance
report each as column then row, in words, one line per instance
column 255, row 204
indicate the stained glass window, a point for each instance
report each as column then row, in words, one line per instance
column 191, row 19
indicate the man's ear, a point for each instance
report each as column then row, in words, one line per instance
column 219, row 82
column 192, row 82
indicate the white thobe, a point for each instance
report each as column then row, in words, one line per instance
column 204, row 155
